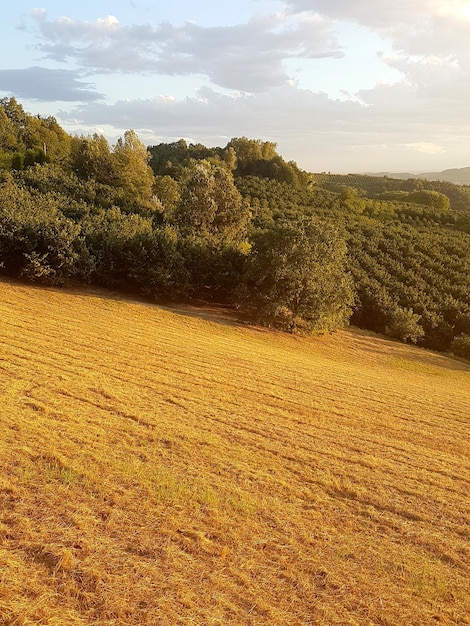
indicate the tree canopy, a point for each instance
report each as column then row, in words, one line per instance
column 211, row 207
column 296, row 277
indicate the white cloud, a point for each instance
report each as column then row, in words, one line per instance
column 424, row 147
column 39, row 13
column 377, row 14
column 457, row 8
column 110, row 21
column 320, row 133
column 247, row 57
column 416, row 28
column 382, row 13
column 212, row 114
column 417, row 111
column 441, row 84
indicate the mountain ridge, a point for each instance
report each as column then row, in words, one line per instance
column 458, row 176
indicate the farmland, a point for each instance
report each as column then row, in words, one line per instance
column 172, row 466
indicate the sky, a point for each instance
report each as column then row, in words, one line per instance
column 339, row 85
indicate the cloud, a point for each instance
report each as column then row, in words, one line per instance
column 429, row 39
column 246, row 57
column 415, row 27
column 47, row 85
column 318, row 132
column 434, row 92
column 217, row 114
column 381, row 13
column 424, row 147
column 252, row 68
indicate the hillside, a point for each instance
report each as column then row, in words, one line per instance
column 172, row 467
column 237, row 225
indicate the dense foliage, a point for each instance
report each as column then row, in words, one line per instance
column 294, row 250
column 295, row 277
column 410, row 261
column 425, row 271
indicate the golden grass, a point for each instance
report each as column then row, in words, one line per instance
column 157, row 467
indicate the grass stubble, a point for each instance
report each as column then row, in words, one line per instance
column 159, row 467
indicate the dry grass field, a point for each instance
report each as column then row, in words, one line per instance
column 163, row 467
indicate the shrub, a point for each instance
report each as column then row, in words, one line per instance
column 36, row 241
column 295, row 278
column 404, row 325
column 460, row 346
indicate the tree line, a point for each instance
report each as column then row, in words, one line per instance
column 237, row 224
column 100, row 214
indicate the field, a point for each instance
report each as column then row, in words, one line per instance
column 173, row 467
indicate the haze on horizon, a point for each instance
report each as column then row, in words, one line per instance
column 339, row 86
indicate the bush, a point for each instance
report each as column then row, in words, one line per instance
column 460, row 346
column 130, row 253
column 404, row 325
column 36, row 241
column 295, row 278
column 214, row 272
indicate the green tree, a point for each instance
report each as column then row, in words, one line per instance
column 129, row 253
column 460, row 346
column 233, row 213
column 230, row 158
column 295, row 277
column 34, row 139
column 351, row 201
column 167, row 190
column 36, row 241
column 430, row 198
column 91, row 158
column 404, row 325
column 134, row 174
column 44, row 135
column 210, row 206
column 18, row 120
column 246, row 150
column 8, row 139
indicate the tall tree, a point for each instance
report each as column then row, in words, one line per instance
column 296, row 278
column 211, row 207
column 8, row 137
column 168, row 193
column 91, row 159
column 46, row 135
column 133, row 172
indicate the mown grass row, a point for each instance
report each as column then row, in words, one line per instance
column 159, row 467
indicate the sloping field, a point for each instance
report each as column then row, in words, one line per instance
column 157, row 467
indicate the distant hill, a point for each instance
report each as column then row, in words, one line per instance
column 458, row 176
